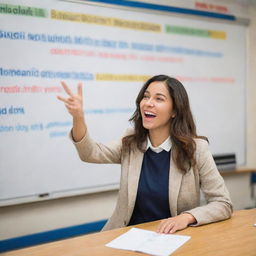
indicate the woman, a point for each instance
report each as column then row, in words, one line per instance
column 164, row 163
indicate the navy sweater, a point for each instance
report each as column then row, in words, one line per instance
column 152, row 202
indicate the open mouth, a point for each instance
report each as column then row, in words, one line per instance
column 149, row 114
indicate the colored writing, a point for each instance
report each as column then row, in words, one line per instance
column 112, row 44
column 52, row 126
column 39, row 127
column 114, row 55
column 55, row 134
column 95, row 42
column 47, row 74
column 12, row 110
column 22, row 127
column 105, row 21
column 23, row 10
column 146, row 26
column 30, row 89
column 109, row 110
column 187, row 51
column 195, row 32
column 50, row 38
column 121, row 77
column 55, row 124
column 206, row 79
column 12, row 35
column 211, row 7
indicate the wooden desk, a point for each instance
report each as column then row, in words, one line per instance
column 233, row 237
column 240, row 170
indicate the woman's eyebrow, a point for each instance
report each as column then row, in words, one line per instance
column 157, row 94
column 160, row 94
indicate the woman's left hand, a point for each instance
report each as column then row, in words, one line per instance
column 173, row 224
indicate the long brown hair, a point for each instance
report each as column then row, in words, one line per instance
column 183, row 129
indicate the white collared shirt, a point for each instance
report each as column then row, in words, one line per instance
column 166, row 145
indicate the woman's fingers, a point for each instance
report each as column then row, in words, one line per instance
column 70, row 93
column 170, row 226
column 66, row 100
column 66, row 88
column 74, row 103
column 63, row 99
column 173, row 224
column 163, row 225
column 172, row 229
column 166, row 227
column 80, row 89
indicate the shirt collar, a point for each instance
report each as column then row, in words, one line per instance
column 166, row 145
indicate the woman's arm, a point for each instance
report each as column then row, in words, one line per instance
column 219, row 205
column 88, row 150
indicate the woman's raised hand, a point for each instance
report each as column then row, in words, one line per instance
column 74, row 103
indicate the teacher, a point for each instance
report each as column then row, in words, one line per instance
column 164, row 163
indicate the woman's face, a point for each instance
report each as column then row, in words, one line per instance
column 156, row 107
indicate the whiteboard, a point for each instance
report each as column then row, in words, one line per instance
column 112, row 51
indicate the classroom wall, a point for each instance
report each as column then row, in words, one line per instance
column 251, row 89
column 36, row 217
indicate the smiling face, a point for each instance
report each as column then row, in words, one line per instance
column 156, row 108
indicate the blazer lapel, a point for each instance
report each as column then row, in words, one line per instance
column 133, row 179
column 175, row 177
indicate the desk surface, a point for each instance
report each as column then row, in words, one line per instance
column 240, row 170
column 236, row 237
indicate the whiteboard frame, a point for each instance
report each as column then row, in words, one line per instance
column 191, row 13
column 113, row 187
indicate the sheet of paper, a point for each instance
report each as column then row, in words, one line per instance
column 148, row 242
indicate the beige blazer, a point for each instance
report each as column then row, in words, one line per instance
column 184, row 189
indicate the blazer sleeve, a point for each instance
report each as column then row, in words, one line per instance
column 219, row 205
column 92, row 152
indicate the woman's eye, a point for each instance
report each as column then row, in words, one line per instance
column 160, row 99
column 145, row 97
